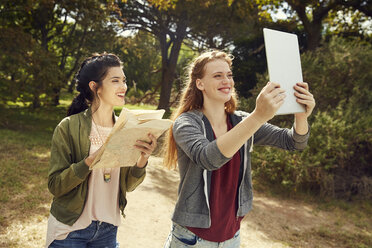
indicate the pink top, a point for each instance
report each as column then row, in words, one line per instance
column 102, row 202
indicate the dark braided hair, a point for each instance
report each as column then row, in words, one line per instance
column 95, row 69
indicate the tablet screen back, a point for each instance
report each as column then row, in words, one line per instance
column 284, row 66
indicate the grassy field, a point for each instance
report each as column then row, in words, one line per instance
column 24, row 154
column 24, row 198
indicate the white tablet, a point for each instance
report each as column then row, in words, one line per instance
column 284, row 66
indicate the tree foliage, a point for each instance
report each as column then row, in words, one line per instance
column 58, row 35
column 173, row 22
column 141, row 62
column 313, row 15
column 142, row 66
column 44, row 41
column 337, row 160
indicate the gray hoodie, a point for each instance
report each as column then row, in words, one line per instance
column 198, row 156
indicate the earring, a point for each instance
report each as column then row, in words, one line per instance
column 92, row 84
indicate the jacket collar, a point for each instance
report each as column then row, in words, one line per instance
column 88, row 114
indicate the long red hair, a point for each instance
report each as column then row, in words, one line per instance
column 192, row 98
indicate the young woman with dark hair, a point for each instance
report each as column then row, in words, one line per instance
column 86, row 206
column 211, row 142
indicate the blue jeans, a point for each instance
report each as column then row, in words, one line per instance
column 181, row 237
column 96, row 235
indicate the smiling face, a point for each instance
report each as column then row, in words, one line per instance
column 217, row 84
column 113, row 89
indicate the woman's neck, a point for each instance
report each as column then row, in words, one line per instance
column 215, row 113
column 102, row 115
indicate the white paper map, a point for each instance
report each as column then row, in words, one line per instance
column 132, row 125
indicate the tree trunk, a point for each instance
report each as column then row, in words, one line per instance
column 169, row 64
column 57, row 92
column 314, row 32
column 313, row 26
column 77, row 60
column 168, row 75
column 36, row 101
column 166, row 88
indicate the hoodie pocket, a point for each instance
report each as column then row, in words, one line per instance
column 196, row 202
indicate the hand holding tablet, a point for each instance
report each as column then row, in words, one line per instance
column 284, row 66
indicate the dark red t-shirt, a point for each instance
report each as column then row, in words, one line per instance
column 223, row 202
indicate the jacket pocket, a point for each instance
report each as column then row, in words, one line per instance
column 196, row 202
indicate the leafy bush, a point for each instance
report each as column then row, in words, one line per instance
column 28, row 73
column 133, row 95
column 337, row 161
column 339, row 71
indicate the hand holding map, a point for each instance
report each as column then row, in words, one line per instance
column 132, row 125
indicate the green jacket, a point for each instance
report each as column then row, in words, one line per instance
column 68, row 174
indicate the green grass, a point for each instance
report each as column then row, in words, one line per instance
column 24, row 152
column 66, row 99
column 24, row 155
column 327, row 236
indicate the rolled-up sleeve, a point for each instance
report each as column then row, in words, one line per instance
column 131, row 177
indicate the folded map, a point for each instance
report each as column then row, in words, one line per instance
column 132, row 125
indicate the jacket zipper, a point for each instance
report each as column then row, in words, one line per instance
column 205, row 177
column 245, row 167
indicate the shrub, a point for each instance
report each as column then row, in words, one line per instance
column 337, row 161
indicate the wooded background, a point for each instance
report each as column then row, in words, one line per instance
column 43, row 42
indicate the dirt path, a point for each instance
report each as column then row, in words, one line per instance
column 273, row 222
column 149, row 209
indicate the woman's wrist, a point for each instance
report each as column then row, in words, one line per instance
column 301, row 125
column 257, row 118
column 142, row 161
